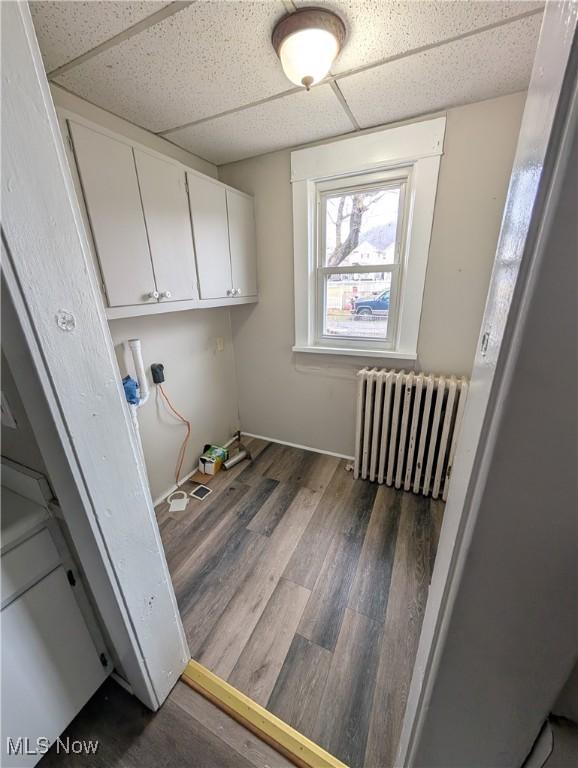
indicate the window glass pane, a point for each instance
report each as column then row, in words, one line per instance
column 361, row 227
column 357, row 305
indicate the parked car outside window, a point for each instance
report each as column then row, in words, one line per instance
column 378, row 306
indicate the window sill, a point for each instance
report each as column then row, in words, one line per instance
column 348, row 351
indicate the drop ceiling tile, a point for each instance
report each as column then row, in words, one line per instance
column 291, row 120
column 378, row 30
column 206, row 59
column 485, row 65
column 65, row 29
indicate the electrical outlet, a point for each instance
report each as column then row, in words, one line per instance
column 220, row 344
column 158, row 372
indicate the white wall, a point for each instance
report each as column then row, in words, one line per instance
column 309, row 399
column 200, row 381
column 474, row 174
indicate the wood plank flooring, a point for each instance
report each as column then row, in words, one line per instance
column 187, row 732
column 306, row 589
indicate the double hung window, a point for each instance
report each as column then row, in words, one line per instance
column 363, row 211
column 360, row 235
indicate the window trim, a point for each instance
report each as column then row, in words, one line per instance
column 417, row 147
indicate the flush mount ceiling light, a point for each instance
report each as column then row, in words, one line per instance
column 307, row 42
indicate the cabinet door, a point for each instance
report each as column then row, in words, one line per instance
column 168, row 223
column 50, row 667
column 111, row 192
column 210, row 229
column 241, row 214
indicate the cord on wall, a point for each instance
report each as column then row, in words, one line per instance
column 183, row 448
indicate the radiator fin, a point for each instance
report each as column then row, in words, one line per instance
column 407, row 427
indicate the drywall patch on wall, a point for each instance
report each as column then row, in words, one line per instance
column 310, row 400
column 200, row 381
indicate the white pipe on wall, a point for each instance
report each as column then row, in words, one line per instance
column 134, row 419
column 143, row 386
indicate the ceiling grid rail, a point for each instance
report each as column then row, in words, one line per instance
column 126, row 34
column 343, row 101
column 356, row 70
column 343, row 109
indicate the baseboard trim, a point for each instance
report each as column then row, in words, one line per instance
column 174, row 487
column 170, row 490
column 282, row 737
column 297, row 445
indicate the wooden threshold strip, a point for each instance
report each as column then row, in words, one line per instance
column 300, row 750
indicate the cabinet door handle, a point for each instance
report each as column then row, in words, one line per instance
column 238, row 291
column 166, row 295
column 230, row 292
column 153, row 295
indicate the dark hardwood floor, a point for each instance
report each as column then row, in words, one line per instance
column 306, row 590
column 187, row 732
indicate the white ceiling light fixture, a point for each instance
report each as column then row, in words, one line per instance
column 307, row 42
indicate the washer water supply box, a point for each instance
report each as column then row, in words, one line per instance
column 212, row 459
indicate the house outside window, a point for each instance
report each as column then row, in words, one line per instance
column 363, row 211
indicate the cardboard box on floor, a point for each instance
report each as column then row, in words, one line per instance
column 212, row 459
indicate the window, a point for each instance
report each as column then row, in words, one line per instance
column 363, row 211
column 360, row 231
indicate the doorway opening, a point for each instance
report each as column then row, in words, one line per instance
column 296, row 583
column 305, row 589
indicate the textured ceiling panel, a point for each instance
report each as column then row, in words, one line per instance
column 206, row 59
column 476, row 68
column 67, row 29
column 289, row 121
column 378, row 30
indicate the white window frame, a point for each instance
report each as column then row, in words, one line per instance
column 411, row 152
column 395, row 179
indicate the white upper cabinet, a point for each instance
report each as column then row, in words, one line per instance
column 209, row 215
column 224, row 231
column 165, row 237
column 111, row 191
column 168, row 223
column 241, row 215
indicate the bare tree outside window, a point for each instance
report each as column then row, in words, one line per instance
column 361, row 229
column 350, row 212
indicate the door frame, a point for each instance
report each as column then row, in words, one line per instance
column 59, row 348
column 541, row 158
